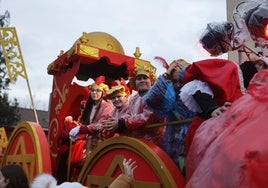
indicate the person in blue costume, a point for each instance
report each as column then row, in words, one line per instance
column 163, row 100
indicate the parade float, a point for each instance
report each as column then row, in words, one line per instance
column 93, row 55
column 232, row 150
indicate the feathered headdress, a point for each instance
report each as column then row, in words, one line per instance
column 162, row 61
column 180, row 62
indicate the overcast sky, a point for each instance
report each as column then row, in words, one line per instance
column 166, row 28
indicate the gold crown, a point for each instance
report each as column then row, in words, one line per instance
column 149, row 71
column 116, row 90
column 100, row 86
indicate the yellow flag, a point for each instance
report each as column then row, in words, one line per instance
column 13, row 57
column 12, row 53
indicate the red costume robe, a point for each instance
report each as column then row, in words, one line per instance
column 230, row 150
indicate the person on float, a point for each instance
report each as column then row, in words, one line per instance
column 164, row 101
column 97, row 110
column 210, row 87
column 13, row 176
column 119, row 95
column 230, row 150
column 138, row 115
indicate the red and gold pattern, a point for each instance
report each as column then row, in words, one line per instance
column 155, row 169
column 88, row 58
column 28, row 147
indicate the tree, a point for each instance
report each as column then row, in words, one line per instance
column 8, row 110
column 9, row 113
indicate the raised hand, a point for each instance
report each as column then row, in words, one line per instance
column 129, row 167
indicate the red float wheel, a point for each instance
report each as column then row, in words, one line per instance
column 28, row 147
column 155, row 168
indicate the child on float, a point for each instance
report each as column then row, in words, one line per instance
column 119, row 95
column 138, row 115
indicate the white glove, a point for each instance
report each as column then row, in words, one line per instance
column 129, row 167
column 73, row 133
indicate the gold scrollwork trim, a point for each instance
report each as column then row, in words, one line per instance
column 62, row 95
column 12, row 53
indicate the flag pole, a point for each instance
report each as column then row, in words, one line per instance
column 14, row 59
column 34, row 109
